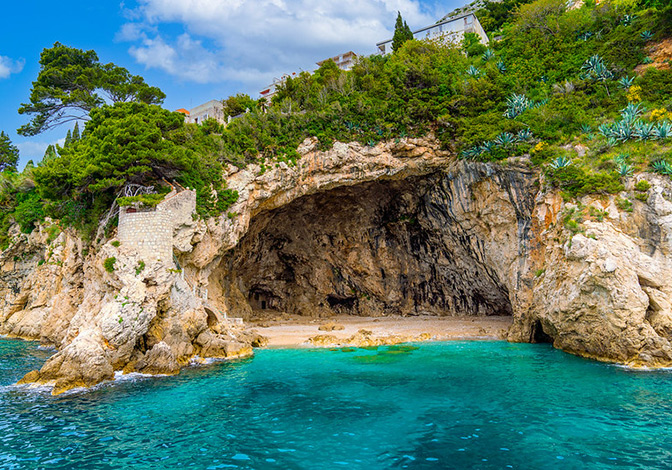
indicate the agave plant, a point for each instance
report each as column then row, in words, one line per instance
column 585, row 36
column 473, row 71
column 632, row 111
column 626, row 82
column 586, row 129
column 517, row 105
column 624, row 130
column 627, row 20
column 621, row 158
column 501, row 67
column 524, row 135
column 560, row 162
column 644, row 130
column 623, row 169
column 601, row 73
column 488, row 54
column 606, row 130
column 470, row 153
column 646, row 35
column 593, row 62
column 612, row 142
column 505, row 139
column 662, row 167
column 663, row 131
column 487, row 147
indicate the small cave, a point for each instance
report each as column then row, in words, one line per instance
column 538, row 335
column 380, row 248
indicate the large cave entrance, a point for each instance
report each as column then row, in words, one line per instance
column 379, row 248
column 374, row 249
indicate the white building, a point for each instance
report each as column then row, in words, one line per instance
column 213, row 109
column 453, row 28
column 272, row 89
column 343, row 61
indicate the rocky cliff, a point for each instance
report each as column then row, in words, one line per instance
column 400, row 228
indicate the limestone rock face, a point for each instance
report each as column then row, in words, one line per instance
column 141, row 315
column 605, row 293
column 159, row 360
column 400, row 228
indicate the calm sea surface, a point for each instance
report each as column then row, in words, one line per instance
column 485, row 405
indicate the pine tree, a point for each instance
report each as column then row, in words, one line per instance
column 9, row 153
column 75, row 132
column 50, row 153
column 68, row 139
column 407, row 32
column 402, row 33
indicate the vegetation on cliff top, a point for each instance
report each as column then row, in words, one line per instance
column 585, row 93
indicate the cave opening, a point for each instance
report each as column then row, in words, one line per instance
column 539, row 335
column 380, row 248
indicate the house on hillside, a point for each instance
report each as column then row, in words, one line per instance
column 213, row 109
column 272, row 89
column 343, row 61
column 453, row 28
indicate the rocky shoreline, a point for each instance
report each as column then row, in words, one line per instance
column 399, row 229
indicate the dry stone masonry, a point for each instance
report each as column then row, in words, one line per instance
column 150, row 231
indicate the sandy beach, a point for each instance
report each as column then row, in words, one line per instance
column 295, row 331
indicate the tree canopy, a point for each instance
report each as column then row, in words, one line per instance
column 72, row 82
column 9, row 153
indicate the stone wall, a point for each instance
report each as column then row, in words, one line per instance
column 148, row 232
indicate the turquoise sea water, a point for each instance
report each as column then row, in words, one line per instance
column 485, row 405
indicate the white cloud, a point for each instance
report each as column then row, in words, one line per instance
column 9, row 66
column 34, row 150
column 253, row 40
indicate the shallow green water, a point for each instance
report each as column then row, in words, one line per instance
column 445, row 405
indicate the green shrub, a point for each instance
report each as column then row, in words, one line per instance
column 116, row 243
column 642, row 186
column 108, row 264
column 577, row 181
column 624, row 204
column 52, row 232
column 144, row 200
column 140, row 268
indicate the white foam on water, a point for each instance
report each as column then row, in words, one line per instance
column 642, row 368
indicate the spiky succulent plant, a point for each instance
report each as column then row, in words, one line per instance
column 488, row 54
column 560, row 162
column 623, row 169
column 516, row 105
column 505, row 139
column 524, row 135
column 663, row 131
column 644, row 130
column 662, row 167
column 646, row 35
column 473, row 71
column 627, row 20
column 632, row 111
column 626, row 82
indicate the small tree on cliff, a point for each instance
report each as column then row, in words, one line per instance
column 9, row 153
column 402, row 33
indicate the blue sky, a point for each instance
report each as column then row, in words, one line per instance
column 194, row 50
